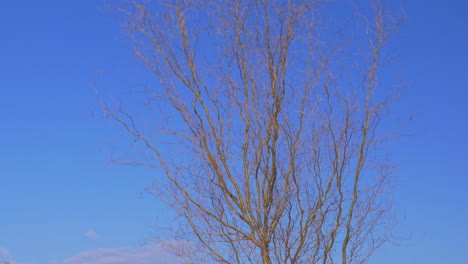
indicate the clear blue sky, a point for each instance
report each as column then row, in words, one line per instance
column 61, row 202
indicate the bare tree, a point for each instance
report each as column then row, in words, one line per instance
column 265, row 128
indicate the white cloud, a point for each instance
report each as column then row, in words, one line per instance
column 91, row 234
column 5, row 255
column 143, row 255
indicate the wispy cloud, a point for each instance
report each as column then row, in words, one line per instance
column 91, row 234
column 5, row 255
column 153, row 254
column 143, row 255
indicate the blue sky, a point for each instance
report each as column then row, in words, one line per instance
column 61, row 200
